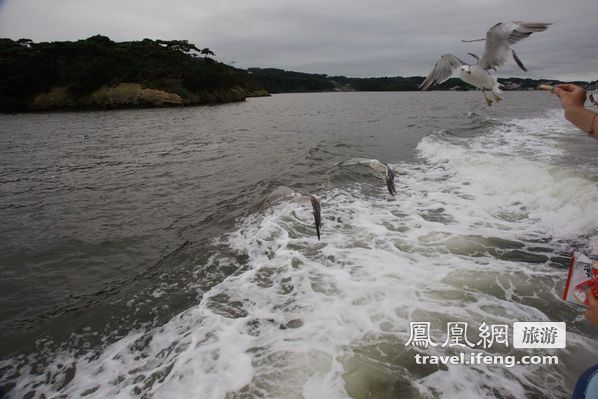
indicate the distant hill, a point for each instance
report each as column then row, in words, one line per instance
column 99, row 73
column 280, row 81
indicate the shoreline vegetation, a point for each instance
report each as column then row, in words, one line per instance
column 98, row 73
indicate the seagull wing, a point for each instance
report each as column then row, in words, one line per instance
column 502, row 36
column 355, row 161
column 379, row 166
column 390, row 181
column 279, row 194
column 372, row 163
column 315, row 204
column 475, row 56
column 444, row 68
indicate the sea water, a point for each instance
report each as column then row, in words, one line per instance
column 136, row 260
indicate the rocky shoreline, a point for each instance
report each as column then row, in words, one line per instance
column 133, row 95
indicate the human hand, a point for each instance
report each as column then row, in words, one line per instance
column 592, row 312
column 571, row 95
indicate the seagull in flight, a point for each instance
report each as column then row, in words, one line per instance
column 284, row 193
column 499, row 40
column 389, row 174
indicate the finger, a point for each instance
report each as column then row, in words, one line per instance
column 591, row 299
column 591, row 317
column 566, row 87
column 579, row 91
column 569, row 88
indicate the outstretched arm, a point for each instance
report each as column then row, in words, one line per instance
column 573, row 97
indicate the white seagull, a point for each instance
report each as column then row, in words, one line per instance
column 284, row 193
column 498, row 39
column 389, row 174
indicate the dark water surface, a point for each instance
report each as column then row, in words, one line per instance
column 138, row 221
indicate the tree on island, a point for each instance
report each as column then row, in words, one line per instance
column 179, row 45
column 206, row 52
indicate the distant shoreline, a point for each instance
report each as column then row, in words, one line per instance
column 97, row 73
column 145, row 106
column 281, row 81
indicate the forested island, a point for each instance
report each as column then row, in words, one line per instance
column 98, row 73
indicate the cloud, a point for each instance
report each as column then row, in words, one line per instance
column 348, row 37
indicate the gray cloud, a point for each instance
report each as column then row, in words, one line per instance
column 339, row 37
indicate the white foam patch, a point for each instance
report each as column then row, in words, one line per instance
column 302, row 318
column 514, row 170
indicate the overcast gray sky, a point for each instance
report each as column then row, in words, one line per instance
column 336, row 37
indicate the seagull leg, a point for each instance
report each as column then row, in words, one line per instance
column 496, row 97
column 488, row 101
